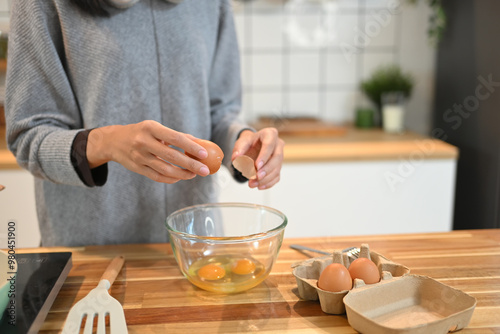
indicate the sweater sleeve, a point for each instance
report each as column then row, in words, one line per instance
column 225, row 86
column 42, row 114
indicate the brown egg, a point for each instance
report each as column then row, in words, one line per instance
column 335, row 278
column 215, row 155
column 364, row 269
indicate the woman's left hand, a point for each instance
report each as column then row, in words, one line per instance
column 270, row 155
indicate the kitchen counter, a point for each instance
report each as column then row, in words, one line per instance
column 158, row 299
column 7, row 159
column 373, row 144
column 353, row 177
column 353, row 145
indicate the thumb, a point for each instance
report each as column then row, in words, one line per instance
column 243, row 144
column 240, row 147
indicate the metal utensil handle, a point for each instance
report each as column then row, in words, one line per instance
column 299, row 247
column 113, row 269
column 353, row 252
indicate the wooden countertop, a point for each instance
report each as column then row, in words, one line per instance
column 353, row 145
column 158, row 299
column 7, row 159
column 372, row 144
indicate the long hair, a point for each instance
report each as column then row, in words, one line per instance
column 93, row 7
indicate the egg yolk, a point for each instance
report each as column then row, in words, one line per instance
column 211, row 272
column 243, row 267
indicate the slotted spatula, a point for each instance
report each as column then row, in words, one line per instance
column 98, row 303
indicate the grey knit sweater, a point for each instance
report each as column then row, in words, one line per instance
column 177, row 64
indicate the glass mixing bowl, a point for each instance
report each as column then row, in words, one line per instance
column 226, row 247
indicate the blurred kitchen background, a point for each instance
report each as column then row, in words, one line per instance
column 4, row 30
column 308, row 57
column 306, row 60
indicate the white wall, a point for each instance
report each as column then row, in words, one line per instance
column 4, row 13
column 293, row 74
column 284, row 75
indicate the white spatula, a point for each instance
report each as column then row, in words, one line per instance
column 98, row 303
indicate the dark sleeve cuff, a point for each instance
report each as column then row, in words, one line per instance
column 238, row 176
column 95, row 177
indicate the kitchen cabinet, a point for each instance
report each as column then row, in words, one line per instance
column 348, row 198
column 17, row 204
column 363, row 182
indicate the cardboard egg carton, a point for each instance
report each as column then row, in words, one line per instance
column 399, row 303
column 307, row 274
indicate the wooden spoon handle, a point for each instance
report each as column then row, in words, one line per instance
column 113, row 269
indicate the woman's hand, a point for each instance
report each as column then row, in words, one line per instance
column 144, row 148
column 269, row 151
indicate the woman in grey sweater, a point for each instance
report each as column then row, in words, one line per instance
column 99, row 95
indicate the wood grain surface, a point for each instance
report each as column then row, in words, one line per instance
column 158, row 299
column 301, row 126
column 367, row 145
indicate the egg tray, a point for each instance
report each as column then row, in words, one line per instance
column 400, row 303
column 411, row 304
column 307, row 274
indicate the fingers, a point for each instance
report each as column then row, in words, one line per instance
column 166, row 169
column 269, row 174
column 243, row 144
column 257, row 184
column 266, row 148
column 270, row 160
column 145, row 148
column 173, row 156
column 165, row 136
column 150, row 151
column 269, row 139
column 175, row 138
column 155, row 175
column 158, row 170
column 158, row 177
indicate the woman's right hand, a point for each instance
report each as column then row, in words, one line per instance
column 144, row 148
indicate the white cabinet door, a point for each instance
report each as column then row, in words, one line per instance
column 319, row 199
column 356, row 198
column 17, row 204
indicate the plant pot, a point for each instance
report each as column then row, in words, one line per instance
column 393, row 112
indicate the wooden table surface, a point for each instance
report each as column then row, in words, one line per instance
column 158, row 299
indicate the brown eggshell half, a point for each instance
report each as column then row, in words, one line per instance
column 246, row 166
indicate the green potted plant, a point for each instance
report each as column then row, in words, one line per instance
column 437, row 20
column 387, row 79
